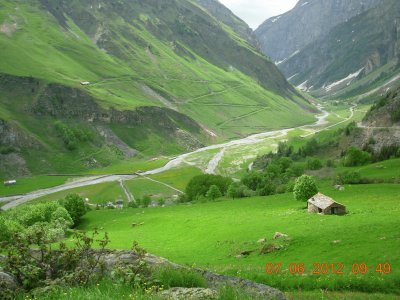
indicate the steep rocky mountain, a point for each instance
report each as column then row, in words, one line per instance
column 224, row 15
column 88, row 83
column 353, row 51
column 283, row 36
column 356, row 56
column 386, row 112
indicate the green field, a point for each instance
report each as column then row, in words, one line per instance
column 210, row 235
column 29, row 184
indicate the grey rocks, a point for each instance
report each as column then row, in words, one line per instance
column 189, row 293
column 7, row 281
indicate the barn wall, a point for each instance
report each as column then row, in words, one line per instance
column 341, row 210
column 312, row 208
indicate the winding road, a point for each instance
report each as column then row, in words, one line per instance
column 14, row 201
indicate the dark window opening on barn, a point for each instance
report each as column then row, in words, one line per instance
column 319, row 210
column 333, row 210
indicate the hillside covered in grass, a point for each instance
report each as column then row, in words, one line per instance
column 212, row 235
column 162, row 77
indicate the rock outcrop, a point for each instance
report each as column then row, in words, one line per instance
column 112, row 258
column 214, row 280
column 189, row 293
column 283, row 35
column 7, row 281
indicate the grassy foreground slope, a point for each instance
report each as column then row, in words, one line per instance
column 212, row 234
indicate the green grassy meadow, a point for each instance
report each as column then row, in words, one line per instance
column 29, row 184
column 210, row 235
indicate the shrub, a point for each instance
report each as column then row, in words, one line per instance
column 232, row 191
column 146, row 201
column 304, row 188
column 200, row 185
column 138, row 274
column 396, row 115
column 161, row 201
column 76, row 207
column 268, row 187
column 182, row 198
column 295, row 170
column 310, row 148
column 6, row 149
column 351, row 178
column 388, row 152
column 350, row 128
column 314, row 164
column 187, row 278
column 356, row 157
column 132, row 204
column 213, row 193
column 252, row 180
column 45, row 267
column 330, row 163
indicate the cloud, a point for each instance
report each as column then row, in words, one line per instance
column 254, row 12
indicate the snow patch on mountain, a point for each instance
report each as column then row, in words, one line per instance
column 346, row 80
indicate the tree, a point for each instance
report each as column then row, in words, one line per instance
column 76, row 207
column 213, row 193
column 304, row 188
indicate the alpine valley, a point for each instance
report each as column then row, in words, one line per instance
column 162, row 149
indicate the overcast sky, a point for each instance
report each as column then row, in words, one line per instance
column 254, row 12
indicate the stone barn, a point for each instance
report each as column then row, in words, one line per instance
column 325, row 205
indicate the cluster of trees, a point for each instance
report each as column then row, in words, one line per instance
column 303, row 156
column 206, row 186
column 55, row 217
column 278, row 177
column 71, row 136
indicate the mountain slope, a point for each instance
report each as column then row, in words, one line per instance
column 224, row 15
column 282, row 36
column 386, row 112
column 163, row 75
column 353, row 57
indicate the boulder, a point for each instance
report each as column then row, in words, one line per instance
column 7, row 281
column 253, row 289
column 262, row 241
column 279, row 235
column 270, row 248
column 189, row 293
column 246, row 252
column 339, row 187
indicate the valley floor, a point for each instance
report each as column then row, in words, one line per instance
column 229, row 158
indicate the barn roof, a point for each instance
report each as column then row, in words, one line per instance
column 322, row 201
